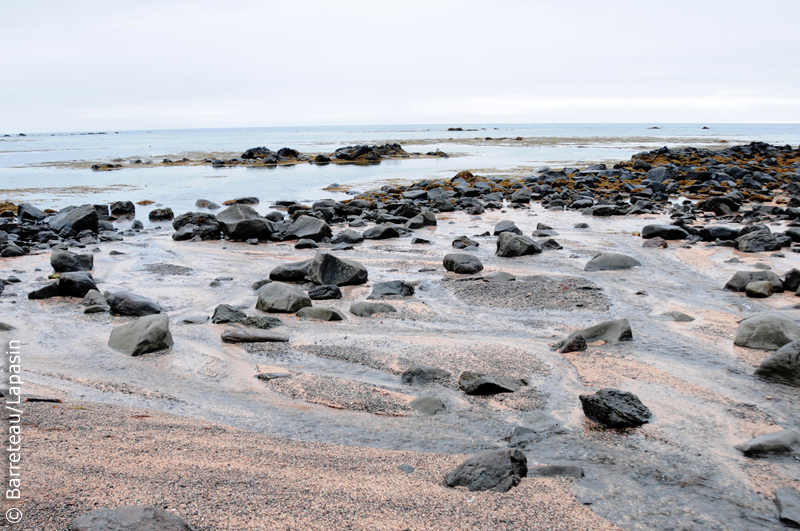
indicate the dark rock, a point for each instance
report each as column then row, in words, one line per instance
column 463, row 264
column 65, row 261
column 510, row 244
column 782, row 366
column 426, row 218
column 497, row 470
column 75, row 284
column 259, row 283
column 758, row 241
column 27, row 212
column 552, row 471
column 146, row 334
column 290, row 272
column 422, row 374
column 420, row 241
column 322, row 159
column 264, row 322
column 249, row 335
column 576, row 344
column 462, row 242
column 45, row 292
column 245, row 201
column 368, row 309
column 791, row 281
column 667, row 232
column 391, row 289
column 123, row 209
column 612, row 408
column 679, row 317
column 255, row 153
column 506, row 226
column 161, row 214
column 741, row 279
column 655, row 243
column 124, row 303
column 242, row 222
column 779, row 442
column 717, row 232
column 224, row 313
column 306, row 244
column 321, row 314
column 473, row 383
column 767, row 331
column 280, row 297
column 607, row 331
column 130, row 518
column 326, row 292
column 611, row 262
column 76, row 219
column 327, row 269
column 381, row 232
column 499, row 276
column 308, row 228
column 788, row 501
column 348, row 236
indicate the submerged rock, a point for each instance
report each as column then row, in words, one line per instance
column 611, row 262
column 430, row 405
column 424, row 374
column 252, row 335
column 615, row 409
column 510, row 244
column 497, row 470
column 368, row 309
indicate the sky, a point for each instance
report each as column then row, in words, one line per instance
column 100, row 65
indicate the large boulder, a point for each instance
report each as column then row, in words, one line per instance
column 368, row 309
column 757, row 242
column 391, row 289
column 277, row 297
column 327, row 269
column 741, row 279
column 611, row 262
column 65, row 261
column 125, row 303
column 767, row 331
column 308, row 228
column 607, row 331
column 473, row 383
column 290, row 272
column 497, row 470
column 242, row 222
column 77, row 219
column 146, row 334
column 667, row 232
column 130, row 518
column 718, row 232
column 615, row 409
column 510, row 244
column 783, row 366
column 461, row 263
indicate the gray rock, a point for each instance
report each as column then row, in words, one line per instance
column 426, row 218
column 5, row 327
column 779, row 442
column 612, row 408
column 255, row 286
column 576, row 344
column 327, row 292
column 552, row 471
column 224, row 313
column 368, row 309
column 240, row 222
column 146, row 334
column 28, row 212
column 252, row 335
column 506, row 226
column 473, row 383
column 327, row 269
column 430, row 405
column 348, row 236
column 290, row 272
column 306, row 244
column 539, row 426
column 782, row 366
column 499, row 276
column 279, row 297
column 65, row 261
column 679, row 317
column 611, row 262
column 123, row 209
column 391, row 289
column 264, row 322
column 608, row 331
column 757, row 242
column 741, row 279
column 497, row 470
column 666, row 232
column 383, row 231
column 309, row 228
column 124, row 303
column 75, row 284
column 321, row 314
column 45, row 292
column 77, row 219
column 130, row 518
column 462, row 242
column 788, row 501
column 463, row 264
column 421, row 374
column 510, row 244
column 420, row 241
column 161, row 214
column 759, row 289
column 768, row 331
column 194, row 319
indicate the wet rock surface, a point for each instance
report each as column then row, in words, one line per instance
column 497, row 470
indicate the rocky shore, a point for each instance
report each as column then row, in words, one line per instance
column 594, row 324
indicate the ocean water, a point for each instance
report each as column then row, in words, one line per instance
column 45, row 168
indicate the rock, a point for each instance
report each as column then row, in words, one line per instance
column 322, row 159
column 205, row 203
column 194, row 319
column 655, row 243
column 76, row 219
column 539, row 426
column 348, row 236
column 679, row 317
column 255, row 286
column 327, row 292
column 473, row 383
column 608, row 331
column 45, row 292
column 65, row 261
column 523, row 195
column 581, row 225
column 788, row 501
column 666, row 232
column 264, row 322
column 760, row 289
column 499, row 276
column 615, row 409
column 462, row 242
column 420, row 241
column 75, row 284
column 146, row 334
column 779, row 442
column 549, row 244
column 510, row 244
column 368, row 309
column 791, row 281
column 767, row 331
column 611, row 262
column 28, row 212
column 130, row 518
column 391, row 290
column 249, row 335
column 381, row 232
column 463, row 264
column 224, row 313
column 321, row 314
column 552, row 471
column 5, row 327
column 12, row 250
column 741, row 279
column 306, row 244
column 758, row 241
column 576, row 344
column 426, row 218
column 421, row 374
column 327, row 269
column 124, row 303
column 279, row 297
column 497, row 470
column 123, row 209
column 240, row 222
column 269, row 372
column 196, row 224
column 782, row 366
column 717, row 232
column 430, row 405
column 506, row 226
column 246, row 201
column 94, row 302
column 161, row 214
column 291, row 272
column 308, row 228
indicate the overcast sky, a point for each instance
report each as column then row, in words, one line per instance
column 98, row 65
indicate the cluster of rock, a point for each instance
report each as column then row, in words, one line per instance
column 360, row 153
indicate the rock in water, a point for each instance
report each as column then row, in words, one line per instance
column 224, row 313
column 783, row 366
column 788, row 501
column 426, row 218
column 245, row 335
column 768, row 331
column 348, row 236
column 510, row 244
column 368, row 309
column 280, row 297
column 65, row 261
column 130, row 518
column 615, row 409
column 497, row 470
column 383, row 231
column 321, row 314
column 779, row 442
column 146, row 334
column 123, row 209
column 241, row 222
column 608, row 331
column 391, row 290
column 308, row 228
column 327, row 269
column 161, row 214
column 499, row 276
column 473, row 383
column 124, row 303
column 82, row 218
column 611, row 262
column 506, row 226
column 463, row 264
column 75, row 284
